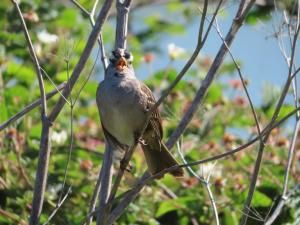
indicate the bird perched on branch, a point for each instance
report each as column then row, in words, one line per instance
column 123, row 103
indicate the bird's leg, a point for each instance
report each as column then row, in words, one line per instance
column 125, row 166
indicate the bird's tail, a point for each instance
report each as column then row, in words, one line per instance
column 159, row 158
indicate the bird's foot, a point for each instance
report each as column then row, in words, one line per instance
column 142, row 141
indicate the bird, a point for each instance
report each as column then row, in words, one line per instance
column 124, row 102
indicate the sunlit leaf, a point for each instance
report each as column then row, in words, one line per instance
column 261, row 200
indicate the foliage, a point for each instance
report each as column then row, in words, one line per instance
column 167, row 201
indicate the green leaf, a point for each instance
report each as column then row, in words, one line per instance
column 35, row 131
column 261, row 200
column 230, row 217
column 173, row 204
column 23, row 73
column 91, row 87
column 68, row 18
column 284, row 110
column 3, row 110
column 62, row 76
column 259, row 14
column 175, row 29
column 214, row 93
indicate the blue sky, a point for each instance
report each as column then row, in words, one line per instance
column 254, row 46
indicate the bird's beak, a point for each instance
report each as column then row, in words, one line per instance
column 121, row 63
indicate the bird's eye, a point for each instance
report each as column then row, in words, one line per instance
column 115, row 54
column 112, row 60
column 127, row 55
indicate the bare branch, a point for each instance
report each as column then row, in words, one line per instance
column 237, row 23
column 280, row 205
column 285, row 194
column 106, row 195
column 130, row 151
column 58, row 206
column 92, row 21
column 42, row 170
column 274, row 117
column 200, row 43
column 122, row 23
column 243, row 82
column 146, row 178
column 105, row 184
column 83, row 59
column 205, row 183
column 44, row 154
column 240, row 16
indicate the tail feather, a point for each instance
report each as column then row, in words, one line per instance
column 160, row 159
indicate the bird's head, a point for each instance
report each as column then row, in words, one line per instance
column 121, row 59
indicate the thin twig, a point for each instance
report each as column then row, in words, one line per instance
column 200, row 43
column 83, row 58
column 205, row 183
column 61, row 202
column 93, row 201
column 133, row 193
column 146, row 178
column 106, row 196
column 273, row 119
column 284, row 195
column 205, row 84
column 237, row 23
column 13, row 217
column 92, row 21
column 199, row 46
column 44, row 153
column 30, row 107
column 242, row 80
column 52, row 82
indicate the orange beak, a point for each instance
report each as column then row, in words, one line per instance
column 121, row 63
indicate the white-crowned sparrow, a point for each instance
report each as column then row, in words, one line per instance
column 123, row 102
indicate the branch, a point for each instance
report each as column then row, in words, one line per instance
column 30, row 107
column 243, row 82
column 44, row 153
column 130, row 195
column 205, row 183
column 237, row 23
column 146, row 178
column 273, row 119
column 130, row 151
column 83, row 59
column 106, row 195
column 285, row 194
column 122, row 23
column 240, row 16
column 58, row 206
column 92, row 21
column 105, row 178
column 280, row 205
column 200, row 43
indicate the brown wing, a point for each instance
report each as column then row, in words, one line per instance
column 155, row 120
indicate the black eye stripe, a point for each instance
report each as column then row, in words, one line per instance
column 127, row 55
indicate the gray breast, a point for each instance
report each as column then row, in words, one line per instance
column 121, row 108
